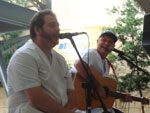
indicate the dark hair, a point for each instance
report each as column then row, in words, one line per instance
column 38, row 21
column 110, row 34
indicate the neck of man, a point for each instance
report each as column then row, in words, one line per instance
column 43, row 44
column 102, row 55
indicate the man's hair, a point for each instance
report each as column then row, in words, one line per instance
column 38, row 21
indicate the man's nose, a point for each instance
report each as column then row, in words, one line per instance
column 107, row 42
column 57, row 27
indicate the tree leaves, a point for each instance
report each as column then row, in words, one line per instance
column 129, row 31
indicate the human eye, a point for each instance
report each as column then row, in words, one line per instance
column 103, row 39
column 53, row 24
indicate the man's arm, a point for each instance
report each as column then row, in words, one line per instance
column 80, row 69
column 43, row 102
column 72, row 101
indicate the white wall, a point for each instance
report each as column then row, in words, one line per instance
column 84, row 13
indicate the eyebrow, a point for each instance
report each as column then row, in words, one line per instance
column 53, row 23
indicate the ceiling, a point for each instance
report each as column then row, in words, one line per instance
column 13, row 17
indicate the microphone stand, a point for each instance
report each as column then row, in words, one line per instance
column 123, row 57
column 89, row 85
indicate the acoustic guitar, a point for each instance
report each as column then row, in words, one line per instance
column 108, row 101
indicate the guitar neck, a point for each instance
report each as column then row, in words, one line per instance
column 122, row 96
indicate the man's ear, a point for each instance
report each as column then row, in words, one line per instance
column 37, row 30
column 114, row 45
column 98, row 40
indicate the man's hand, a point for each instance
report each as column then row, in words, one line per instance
column 71, row 101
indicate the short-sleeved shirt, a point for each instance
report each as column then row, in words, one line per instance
column 94, row 60
column 30, row 67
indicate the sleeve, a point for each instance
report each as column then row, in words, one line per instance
column 23, row 72
column 91, row 60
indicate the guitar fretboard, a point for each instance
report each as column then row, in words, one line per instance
column 122, row 96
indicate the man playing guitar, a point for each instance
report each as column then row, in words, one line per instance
column 96, row 59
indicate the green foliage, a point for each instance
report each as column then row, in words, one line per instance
column 7, row 57
column 6, row 37
column 69, row 66
column 129, row 31
column 112, row 58
column 134, row 83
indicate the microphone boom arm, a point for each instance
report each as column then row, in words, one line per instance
column 144, row 71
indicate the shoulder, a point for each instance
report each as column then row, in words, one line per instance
column 58, row 56
column 90, row 51
column 25, row 53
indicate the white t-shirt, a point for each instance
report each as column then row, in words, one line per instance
column 29, row 67
column 95, row 61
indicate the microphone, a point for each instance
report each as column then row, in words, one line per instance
column 110, row 48
column 70, row 35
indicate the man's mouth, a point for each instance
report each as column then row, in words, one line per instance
column 106, row 48
column 56, row 36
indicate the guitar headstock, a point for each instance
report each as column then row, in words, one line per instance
column 145, row 100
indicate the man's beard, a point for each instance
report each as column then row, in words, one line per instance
column 45, row 35
column 48, row 37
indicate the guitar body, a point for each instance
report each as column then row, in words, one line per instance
column 81, row 92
